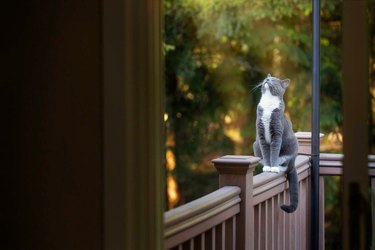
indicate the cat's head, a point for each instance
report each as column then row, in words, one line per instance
column 275, row 85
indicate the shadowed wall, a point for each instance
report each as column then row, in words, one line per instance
column 51, row 94
column 82, row 128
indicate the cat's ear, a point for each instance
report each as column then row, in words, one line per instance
column 269, row 75
column 285, row 83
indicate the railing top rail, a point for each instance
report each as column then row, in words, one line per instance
column 267, row 185
column 331, row 164
column 306, row 135
column 203, row 204
column 264, row 178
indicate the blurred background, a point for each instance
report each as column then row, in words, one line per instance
column 216, row 52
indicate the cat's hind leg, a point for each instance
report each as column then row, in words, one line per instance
column 257, row 151
column 283, row 163
column 284, row 160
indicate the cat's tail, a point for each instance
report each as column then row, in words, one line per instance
column 293, row 190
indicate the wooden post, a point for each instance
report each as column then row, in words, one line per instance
column 238, row 171
column 355, row 58
column 133, row 126
column 304, row 142
column 304, row 148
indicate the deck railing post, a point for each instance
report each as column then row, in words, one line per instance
column 305, row 148
column 238, row 171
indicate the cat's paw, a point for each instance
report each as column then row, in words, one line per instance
column 275, row 169
column 266, row 169
column 278, row 169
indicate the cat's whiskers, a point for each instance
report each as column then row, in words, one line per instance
column 256, row 87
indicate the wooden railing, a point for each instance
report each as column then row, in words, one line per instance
column 206, row 223
column 202, row 224
column 273, row 228
column 245, row 212
column 331, row 165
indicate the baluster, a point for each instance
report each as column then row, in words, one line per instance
column 279, row 223
column 256, row 226
column 273, row 222
column 223, row 235
column 302, row 198
column 269, row 224
column 299, row 219
column 229, row 234
column 192, row 244
column 262, row 224
column 321, row 213
column 287, row 227
column 234, row 231
column 296, row 228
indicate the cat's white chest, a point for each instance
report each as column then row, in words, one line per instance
column 269, row 103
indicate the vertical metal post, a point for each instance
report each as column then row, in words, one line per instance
column 314, row 232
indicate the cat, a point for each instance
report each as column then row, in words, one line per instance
column 275, row 142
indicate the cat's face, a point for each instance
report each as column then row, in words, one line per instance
column 275, row 85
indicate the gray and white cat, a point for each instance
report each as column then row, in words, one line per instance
column 276, row 143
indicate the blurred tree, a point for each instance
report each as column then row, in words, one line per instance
column 216, row 51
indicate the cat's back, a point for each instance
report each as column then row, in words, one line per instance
column 289, row 137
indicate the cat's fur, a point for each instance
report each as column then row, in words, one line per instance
column 276, row 143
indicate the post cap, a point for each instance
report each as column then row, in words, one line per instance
column 304, row 142
column 235, row 164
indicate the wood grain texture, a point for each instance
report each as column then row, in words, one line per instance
column 51, row 88
column 201, row 226
column 201, row 205
column 133, row 100
column 275, row 229
column 183, row 219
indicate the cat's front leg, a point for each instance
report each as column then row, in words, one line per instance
column 274, row 154
column 282, row 165
column 258, row 153
column 265, row 148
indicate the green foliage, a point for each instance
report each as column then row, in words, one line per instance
column 216, row 51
